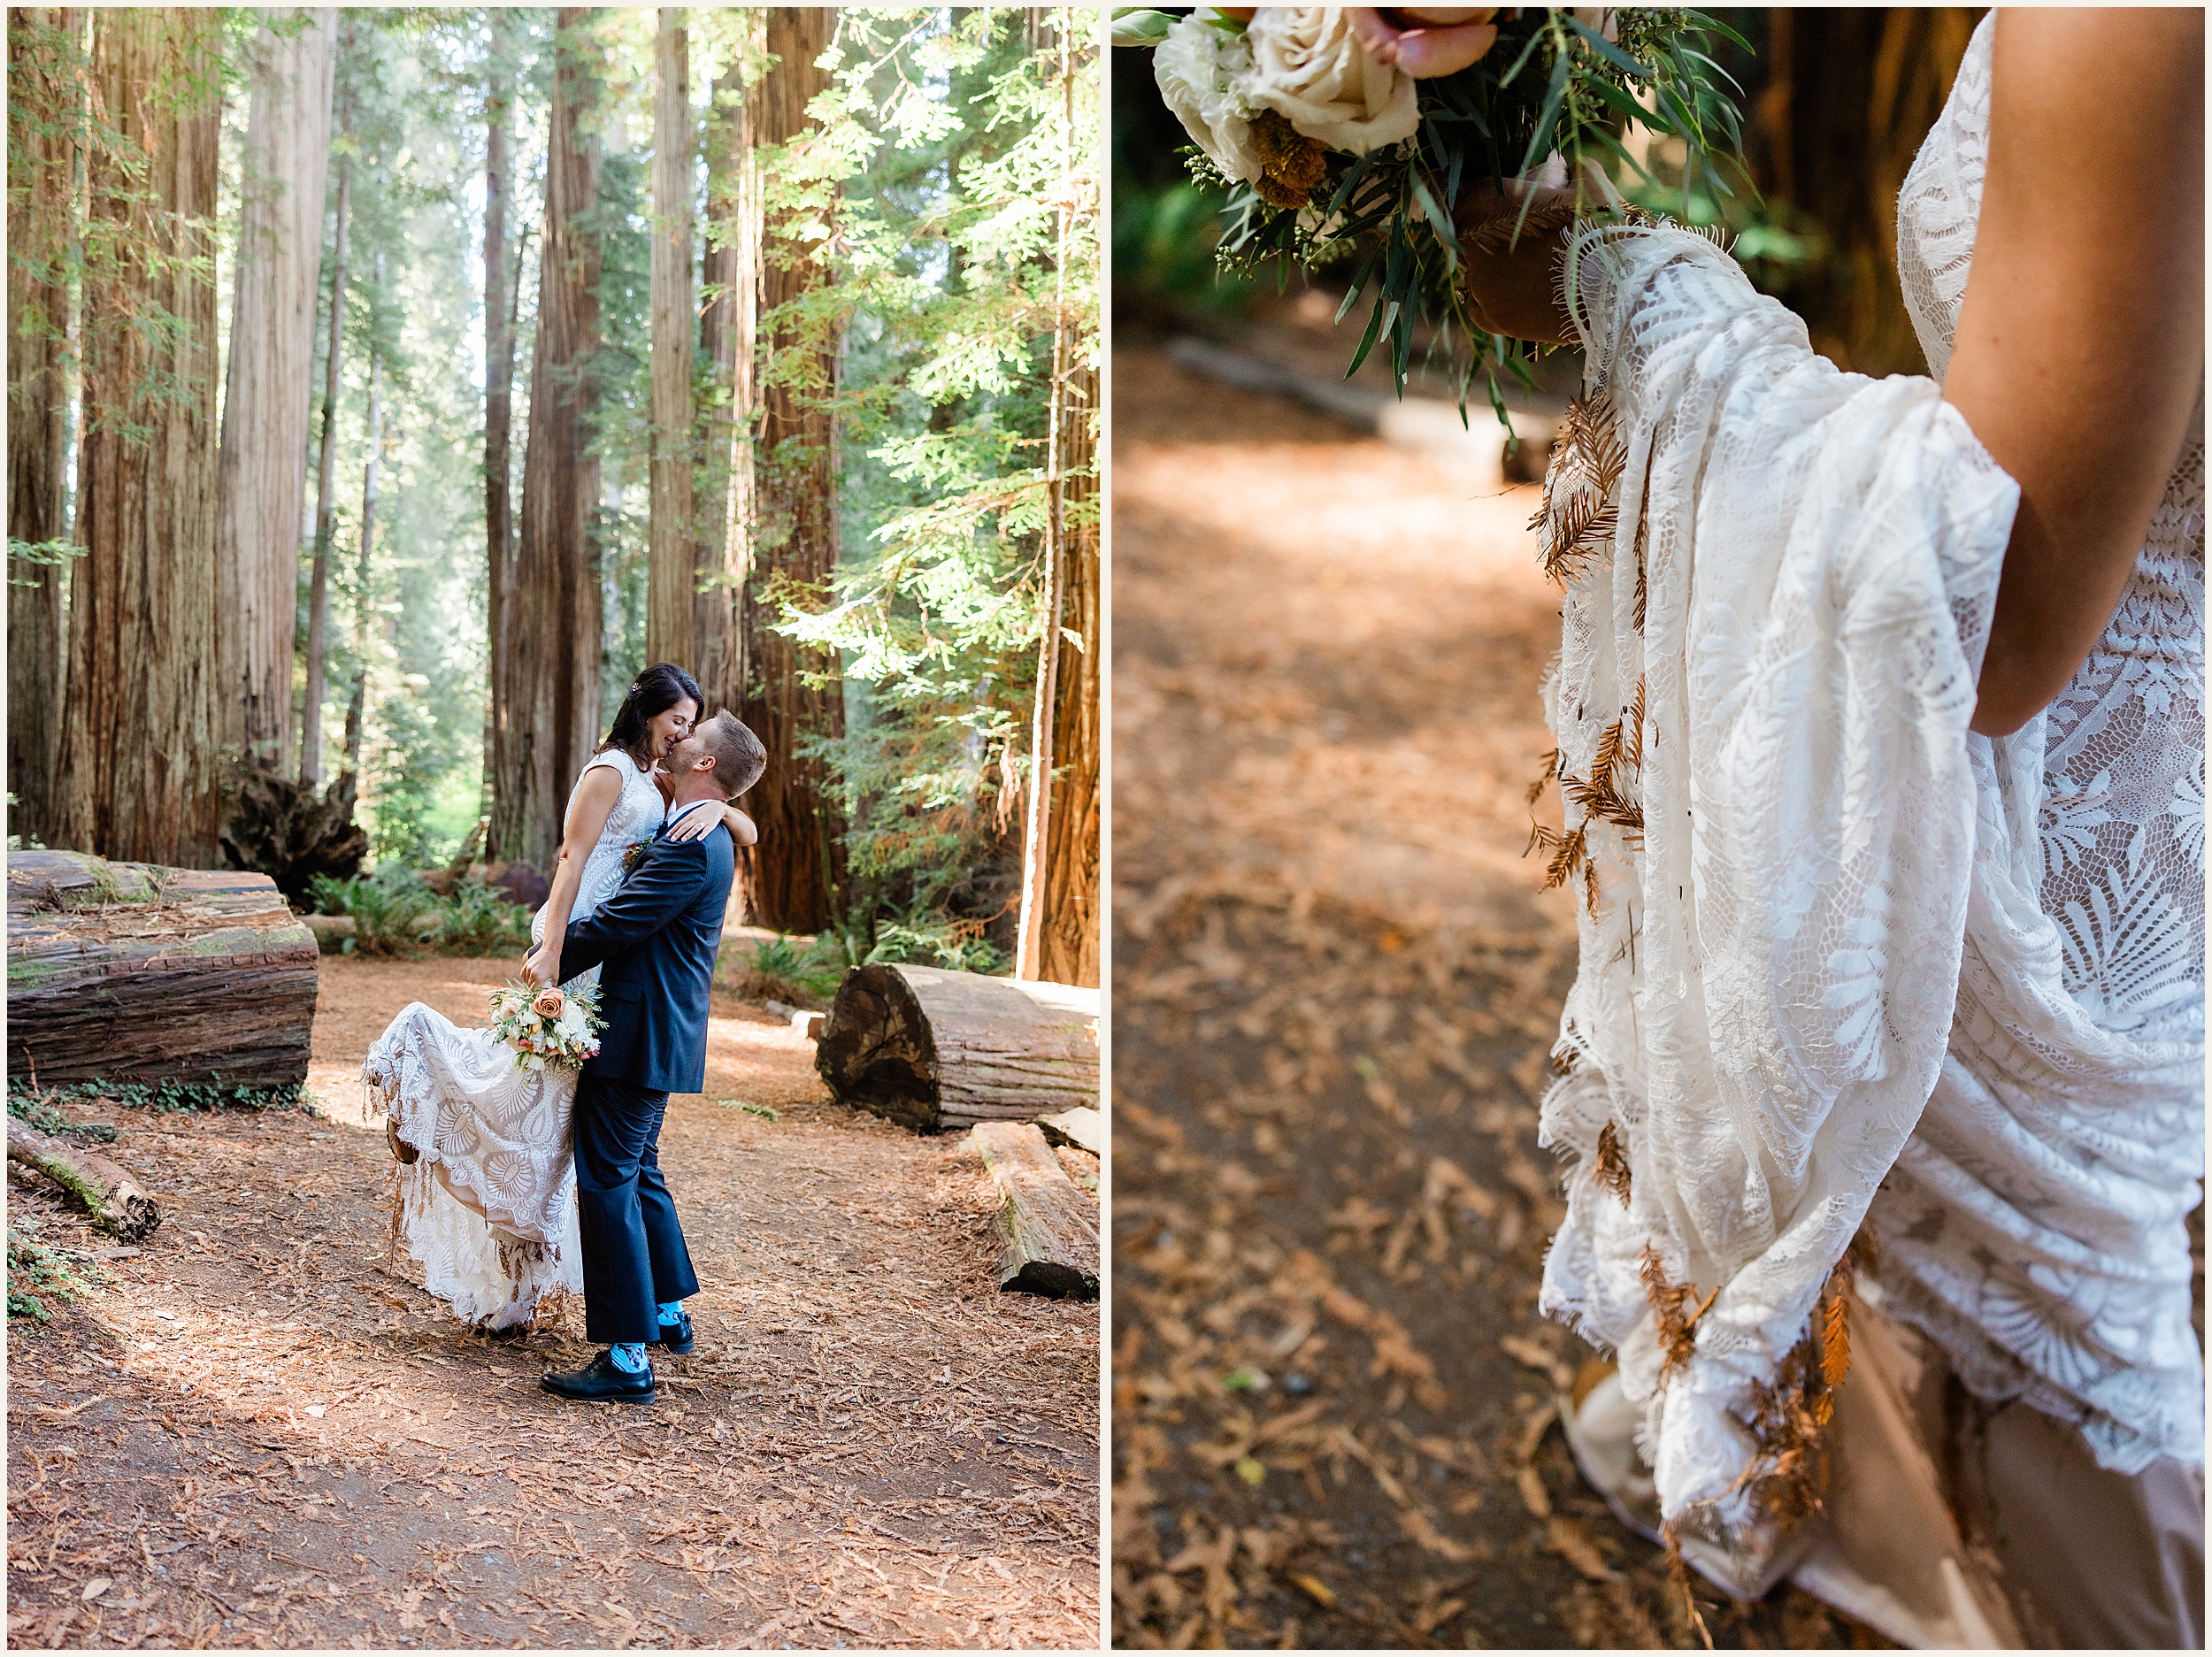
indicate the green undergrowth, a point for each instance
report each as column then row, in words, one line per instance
column 394, row 913
column 807, row 972
column 38, row 1275
column 164, row 1097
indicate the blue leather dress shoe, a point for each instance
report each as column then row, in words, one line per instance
column 601, row 1381
column 675, row 1339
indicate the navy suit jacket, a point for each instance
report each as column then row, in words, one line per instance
column 656, row 941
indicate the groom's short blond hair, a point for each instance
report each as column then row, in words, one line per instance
column 739, row 757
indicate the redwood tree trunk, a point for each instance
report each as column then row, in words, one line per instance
column 326, row 483
column 499, row 375
column 139, row 750
column 1068, row 928
column 364, row 605
column 553, row 655
column 40, row 53
column 672, row 536
column 1059, row 924
column 261, row 476
column 790, row 880
column 727, row 337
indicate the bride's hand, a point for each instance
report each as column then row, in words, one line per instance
column 1513, row 277
column 1423, row 42
column 696, row 826
column 541, row 967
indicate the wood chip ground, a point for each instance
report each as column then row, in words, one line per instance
column 1334, row 987
column 257, row 1432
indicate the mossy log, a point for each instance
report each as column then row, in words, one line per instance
column 133, row 972
column 1047, row 1229
column 115, row 1200
column 939, row 1050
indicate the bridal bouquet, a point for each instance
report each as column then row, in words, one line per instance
column 545, row 1024
column 1326, row 152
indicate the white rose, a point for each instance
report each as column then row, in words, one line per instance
column 1307, row 66
column 1199, row 69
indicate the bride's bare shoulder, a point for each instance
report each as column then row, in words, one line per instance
column 2115, row 65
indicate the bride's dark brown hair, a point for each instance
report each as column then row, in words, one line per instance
column 655, row 691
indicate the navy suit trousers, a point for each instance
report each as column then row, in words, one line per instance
column 634, row 1256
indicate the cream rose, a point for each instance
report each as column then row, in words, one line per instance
column 1307, row 66
column 1200, row 70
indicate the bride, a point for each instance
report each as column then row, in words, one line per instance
column 487, row 1186
column 1900, row 921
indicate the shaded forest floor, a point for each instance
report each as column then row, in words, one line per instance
column 259, row 1431
column 1335, row 986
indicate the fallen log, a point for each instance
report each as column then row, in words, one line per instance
column 1079, row 1125
column 126, row 972
column 115, row 1200
column 935, row 1049
column 1047, row 1229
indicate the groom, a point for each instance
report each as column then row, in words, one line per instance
column 656, row 939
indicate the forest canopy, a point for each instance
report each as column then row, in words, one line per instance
column 389, row 386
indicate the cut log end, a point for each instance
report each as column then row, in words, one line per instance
column 938, row 1050
column 1047, row 1229
column 116, row 1201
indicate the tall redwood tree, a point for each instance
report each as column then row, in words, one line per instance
column 553, row 620
column 672, row 555
column 261, row 476
column 42, row 97
column 790, row 878
column 138, row 752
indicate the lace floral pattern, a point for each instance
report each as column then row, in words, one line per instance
column 1766, row 671
column 489, row 1207
column 2034, row 1223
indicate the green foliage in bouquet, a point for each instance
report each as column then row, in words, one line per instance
column 1551, row 84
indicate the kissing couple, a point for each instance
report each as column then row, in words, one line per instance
column 519, row 1183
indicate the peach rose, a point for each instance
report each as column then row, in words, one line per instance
column 548, row 1004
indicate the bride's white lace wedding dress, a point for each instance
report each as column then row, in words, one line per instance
column 489, row 1205
column 1840, row 958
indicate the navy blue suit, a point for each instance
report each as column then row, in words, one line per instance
column 654, row 941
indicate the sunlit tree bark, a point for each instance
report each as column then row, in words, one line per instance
column 326, row 485
column 553, row 652
column 43, row 96
column 261, row 476
column 499, row 376
column 673, row 533
column 1059, row 924
column 727, row 331
column 790, row 878
column 139, row 750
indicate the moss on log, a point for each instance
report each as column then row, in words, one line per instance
column 110, row 1195
column 133, row 972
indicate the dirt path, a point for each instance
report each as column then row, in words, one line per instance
column 257, row 1433
column 1334, row 989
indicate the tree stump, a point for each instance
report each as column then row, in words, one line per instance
column 131, row 973
column 1047, row 1229
column 115, row 1200
column 934, row 1049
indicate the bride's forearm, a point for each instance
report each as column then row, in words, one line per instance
column 568, row 876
